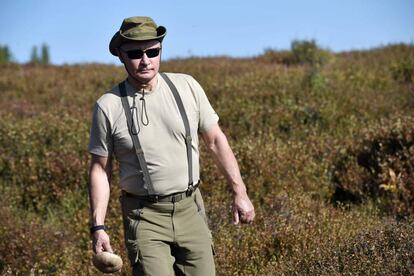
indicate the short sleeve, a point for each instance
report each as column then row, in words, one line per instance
column 208, row 117
column 100, row 142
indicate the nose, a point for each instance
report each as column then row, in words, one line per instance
column 145, row 60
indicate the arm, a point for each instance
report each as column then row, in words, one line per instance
column 99, row 179
column 219, row 148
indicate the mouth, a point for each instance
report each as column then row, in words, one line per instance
column 145, row 70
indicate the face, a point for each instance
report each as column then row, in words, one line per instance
column 143, row 69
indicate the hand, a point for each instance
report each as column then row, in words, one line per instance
column 100, row 242
column 243, row 210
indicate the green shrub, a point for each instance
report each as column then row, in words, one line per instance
column 5, row 55
column 308, row 52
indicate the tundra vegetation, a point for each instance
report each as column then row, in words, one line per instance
column 324, row 141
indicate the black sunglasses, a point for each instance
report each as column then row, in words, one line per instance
column 138, row 53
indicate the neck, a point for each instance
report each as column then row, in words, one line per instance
column 139, row 85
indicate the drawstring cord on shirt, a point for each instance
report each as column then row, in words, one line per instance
column 134, row 111
column 144, row 109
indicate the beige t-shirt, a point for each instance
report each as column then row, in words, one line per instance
column 162, row 140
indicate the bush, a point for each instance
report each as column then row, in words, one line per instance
column 379, row 166
column 274, row 56
column 302, row 52
column 403, row 71
column 382, row 251
column 308, row 52
column 28, row 246
column 5, row 55
column 47, row 161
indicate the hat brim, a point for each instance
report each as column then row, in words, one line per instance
column 117, row 40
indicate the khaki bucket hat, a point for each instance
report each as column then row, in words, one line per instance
column 136, row 28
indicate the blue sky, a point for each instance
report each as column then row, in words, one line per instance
column 79, row 31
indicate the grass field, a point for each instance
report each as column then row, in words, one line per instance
column 325, row 146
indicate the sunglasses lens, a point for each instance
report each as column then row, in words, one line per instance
column 152, row 52
column 135, row 54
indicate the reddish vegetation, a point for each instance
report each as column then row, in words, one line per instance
column 325, row 146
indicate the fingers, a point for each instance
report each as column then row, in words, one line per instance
column 103, row 247
column 236, row 218
column 243, row 211
column 107, row 247
column 97, row 248
column 101, row 242
column 247, row 217
column 243, row 217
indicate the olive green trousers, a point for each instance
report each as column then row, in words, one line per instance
column 167, row 238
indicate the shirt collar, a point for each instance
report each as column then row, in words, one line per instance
column 131, row 91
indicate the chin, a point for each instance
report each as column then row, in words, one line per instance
column 147, row 76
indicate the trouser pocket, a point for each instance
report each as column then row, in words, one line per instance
column 132, row 210
column 198, row 199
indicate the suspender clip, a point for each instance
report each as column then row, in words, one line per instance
column 190, row 190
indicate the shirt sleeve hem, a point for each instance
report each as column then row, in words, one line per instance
column 208, row 126
column 99, row 152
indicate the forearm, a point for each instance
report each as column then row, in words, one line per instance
column 216, row 141
column 227, row 163
column 98, row 194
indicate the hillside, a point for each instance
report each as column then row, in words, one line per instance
column 325, row 148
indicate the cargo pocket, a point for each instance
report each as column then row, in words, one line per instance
column 132, row 210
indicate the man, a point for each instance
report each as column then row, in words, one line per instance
column 150, row 122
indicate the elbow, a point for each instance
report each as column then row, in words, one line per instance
column 214, row 139
column 217, row 142
column 212, row 145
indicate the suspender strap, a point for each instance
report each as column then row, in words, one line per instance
column 135, row 140
column 187, row 130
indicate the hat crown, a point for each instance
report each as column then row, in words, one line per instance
column 138, row 27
